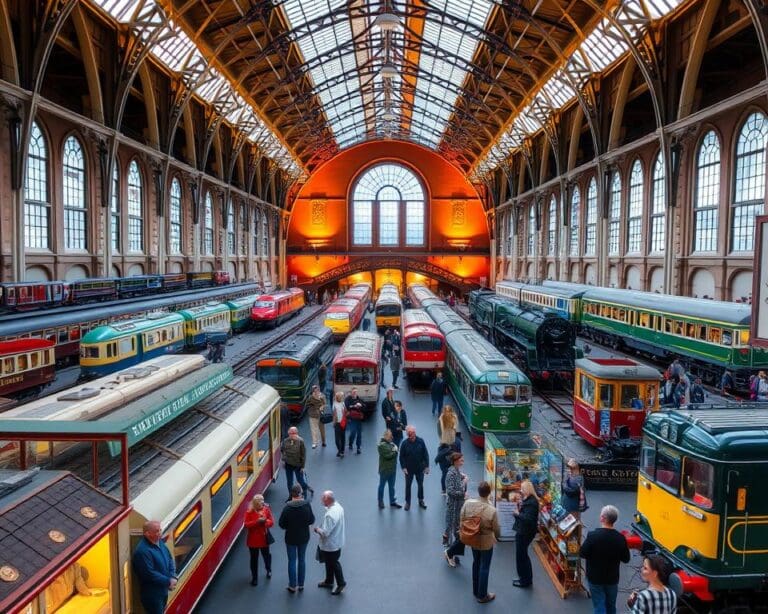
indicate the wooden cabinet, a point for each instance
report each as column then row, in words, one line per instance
column 557, row 547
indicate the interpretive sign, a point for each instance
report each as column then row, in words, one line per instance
column 609, row 476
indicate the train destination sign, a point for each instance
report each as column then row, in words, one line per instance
column 148, row 414
column 604, row 476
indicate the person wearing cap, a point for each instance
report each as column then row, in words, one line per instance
column 315, row 406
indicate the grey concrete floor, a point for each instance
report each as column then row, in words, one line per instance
column 393, row 560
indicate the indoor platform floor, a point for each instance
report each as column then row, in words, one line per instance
column 393, row 560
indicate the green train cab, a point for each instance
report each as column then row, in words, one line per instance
column 198, row 321
column 491, row 392
column 106, row 349
column 702, row 502
column 240, row 312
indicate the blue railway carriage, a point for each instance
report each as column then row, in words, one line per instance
column 565, row 301
column 702, row 504
column 106, row 349
column 199, row 321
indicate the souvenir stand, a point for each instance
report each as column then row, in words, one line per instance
column 510, row 459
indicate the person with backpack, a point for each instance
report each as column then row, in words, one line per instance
column 479, row 529
column 526, row 526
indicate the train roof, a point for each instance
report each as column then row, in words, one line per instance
column 30, row 344
column 360, row 345
column 300, row 346
column 273, row 296
column 129, row 327
column 723, row 434
column 238, row 407
column 482, row 360
column 343, row 304
column 388, row 298
column 90, row 400
column 717, row 311
column 553, row 290
column 192, row 313
column 422, row 329
column 19, row 324
column 617, row 368
column 416, row 317
column 245, row 301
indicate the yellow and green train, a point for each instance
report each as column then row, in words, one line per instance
column 702, row 504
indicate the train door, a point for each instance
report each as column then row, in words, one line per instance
column 745, row 525
column 275, row 432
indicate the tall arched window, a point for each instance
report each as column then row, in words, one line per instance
column 575, row 206
column 706, row 198
column 231, row 228
column 532, row 230
column 208, row 225
column 135, row 208
column 388, row 199
column 552, row 227
column 114, row 208
column 590, row 220
column 510, row 230
column 658, row 205
column 749, row 192
column 264, row 235
column 174, row 211
column 37, row 205
column 256, row 228
column 614, row 214
column 243, row 229
column 75, row 214
column 635, row 209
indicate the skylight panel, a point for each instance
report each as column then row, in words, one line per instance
column 121, row 10
column 659, row 8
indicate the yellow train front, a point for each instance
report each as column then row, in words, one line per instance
column 389, row 308
column 701, row 503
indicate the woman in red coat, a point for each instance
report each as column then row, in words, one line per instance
column 258, row 520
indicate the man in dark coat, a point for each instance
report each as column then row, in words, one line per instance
column 414, row 461
column 437, row 392
column 155, row 568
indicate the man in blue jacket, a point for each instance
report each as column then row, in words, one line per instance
column 414, row 461
column 155, row 568
column 437, row 392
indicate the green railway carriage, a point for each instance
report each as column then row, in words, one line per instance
column 709, row 335
column 444, row 316
column 198, row 321
column 701, row 503
column 240, row 312
column 491, row 392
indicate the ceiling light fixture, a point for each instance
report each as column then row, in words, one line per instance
column 387, row 22
column 389, row 71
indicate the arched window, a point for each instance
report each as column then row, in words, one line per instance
column 231, row 228
column 174, row 211
column 658, row 206
column 635, row 209
column 532, row 230
column 243, row 229
column 590, row 220
column 114, row 208
column 614, row 214
column 135, row 208
column 389, row 199
column 256, row 227
column 37, row 205
column 510, row 230
column 75, row 215
column 575, row 206
column 552, row 227
column 208, row 225
column 264, row 235
column 749, row 192
column 706, row 198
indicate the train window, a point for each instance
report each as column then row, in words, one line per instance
column 727, row 337
column 715, row 335
column 702, row 333
column 244, row 467
column 648, row 458
column 7, row 366
column 630, row 395
column 262, row 443
column 63, row 338
column 657, row 322
column 34, row 360
column 668, row 467
column 690, row 330
column 668, row 325
column 698, row 482
column 524, row 394
column 22, row 362
column 89, row 351
column 481, row 394
column 587, row 389
column 356, row 375
column 221, row 498
column 126, row 345
column 74, row 333
column 606, row 396
column 188, row 538
column 678, row 328
column 744, row 337
column 644, row 320
column 502, row 393
column 150, row 339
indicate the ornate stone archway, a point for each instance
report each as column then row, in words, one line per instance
column 403, row 263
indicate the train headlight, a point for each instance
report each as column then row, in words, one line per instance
column 485, row 425
column 637, row 517
column 691, row 554
column 503, row 419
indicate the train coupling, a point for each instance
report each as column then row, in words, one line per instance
column 684, row 583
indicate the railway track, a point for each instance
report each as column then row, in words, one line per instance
column 560, row 401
